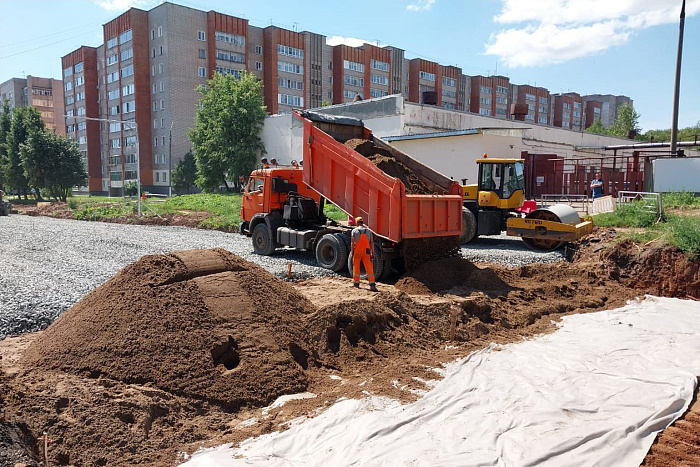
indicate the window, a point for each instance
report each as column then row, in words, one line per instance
column 155, row 125
column 81, row 126
column 125, row 37
column 447, row 105
column 67, row 72
column 128, row 90
column 229, row 38
column 161, row 67
column 69, row 100
column 130, row 175
column 153, row 33
column 542, row 119
column 202, row 53
column 426, row 76
column 449, row 81
column 354, row 66
column 162, row 104
column 258, row 50
column 501, row 100
column 290, row 83
column 155, row 88
column 202, row 72
column 114, row 127
column 155, row 105
column 112, row 59
column 127, row 54
column 70, row 128
column 161, row 50
column 69, row 85
column 228, row 71
column 160, row 31
column 529, row 97
column 115, row 143
column 113, row 110
column 157, row 176
column 128, row 107
column 544, row 100
column 349, row 94
column 82, row 140
column 379, row 79
column 351, row 80
column 129, row 140
column 230, row 56
column 81, row 110
column 162, row 142
column 79, row 67
column 165, row 176
column 162, row 86
column 287, row 99
column 485, row 100
column 111, row 42
column 69, row 113
column 502, row 89
column 115, row 176
column 258, row 66
column 162, row 124
column 485, row 111
column 79, row 96
column 201, row 36
column 452, row 94
column 289, row 51
column 577, row 105
column 377, row 92
column 113, row 94
column 290, row 68
column 127, row 71
column 485, row 90
column 377, row 65
column 155, row 140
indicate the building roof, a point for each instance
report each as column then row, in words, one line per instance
column 442, row 134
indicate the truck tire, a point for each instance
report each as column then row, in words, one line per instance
column 381, row 267
column 468, row 226
column 263, row 243
column 331, row 252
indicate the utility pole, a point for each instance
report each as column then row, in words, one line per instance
column 677, row 88
column 170, row 161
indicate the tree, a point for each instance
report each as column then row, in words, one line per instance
column 5, row 125
column 626, row 123
column 226, row 137
column 52, row 162
column 326, row 103
column 597, row 128
column 25, row 121
column 185, row 173
column 691, row 133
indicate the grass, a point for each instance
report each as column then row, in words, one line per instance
column 96, row 212
column 681, row 231
column 224, row 209
column 335, row 213
column 681, row 200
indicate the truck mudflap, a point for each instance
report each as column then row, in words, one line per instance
column 543, row 229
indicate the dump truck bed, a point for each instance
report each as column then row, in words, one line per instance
column 353, row 183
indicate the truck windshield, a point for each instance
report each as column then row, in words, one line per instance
column 255, row 184
column 490, row 179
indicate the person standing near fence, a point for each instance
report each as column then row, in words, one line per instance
column 597, row 187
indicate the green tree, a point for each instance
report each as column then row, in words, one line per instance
column 226, row 137
column 690, row 133
column 52, row 162
column 5, row 125
column 627, row 122
column 326, row 103
column 597, row 128
column 25, row 121
column 131, row 188
column 185, row 173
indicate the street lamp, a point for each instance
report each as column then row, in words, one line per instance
column 138, row 162
column 170, row 161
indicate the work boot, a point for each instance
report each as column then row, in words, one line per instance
column 373, row 288
column 356, row 285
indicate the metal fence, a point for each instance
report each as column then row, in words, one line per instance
column 647, row 201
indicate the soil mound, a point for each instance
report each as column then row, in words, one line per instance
column 664, row 271
column 204, row 324
column 389, row 165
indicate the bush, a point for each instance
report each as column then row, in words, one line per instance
column 685, row 234
column 680, row 200
column 73, row 204
column 626, row 215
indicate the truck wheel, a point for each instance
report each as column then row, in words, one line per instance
column 381, row 267
column 263, row 244
column 243, row 228
column 331, row 252
column 468, row 226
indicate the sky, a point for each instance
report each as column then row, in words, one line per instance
column 587, row 46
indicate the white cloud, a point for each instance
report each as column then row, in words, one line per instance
column 349, row 41
column 123, row 5
column 555, row 31
column 420, row 5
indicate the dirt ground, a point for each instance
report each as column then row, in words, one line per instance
column 61, row 210
column 193, row 352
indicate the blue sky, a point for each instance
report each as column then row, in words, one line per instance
column 585, row 46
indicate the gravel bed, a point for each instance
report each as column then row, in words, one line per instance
column 48, row 264
column 508, row 251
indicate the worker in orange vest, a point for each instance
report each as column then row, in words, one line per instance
column 362, row 253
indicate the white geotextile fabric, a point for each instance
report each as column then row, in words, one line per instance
column 594, row 393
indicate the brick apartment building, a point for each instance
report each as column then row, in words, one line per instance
column 45, row 94
column 592, row 112
column 144, row 74
column 567, row 111
column 609, row 106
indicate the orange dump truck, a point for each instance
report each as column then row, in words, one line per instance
column 284, row 206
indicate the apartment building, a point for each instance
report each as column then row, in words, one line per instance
column 490, row 96
column 536, row 99
column 44, row 94
column 567, row 111
column 131, row 100
column 592, row 112
column 609, row 106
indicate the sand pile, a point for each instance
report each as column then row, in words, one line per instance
column 389, row 165
column 203, row 324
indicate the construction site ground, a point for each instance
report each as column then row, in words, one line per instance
column 137, row 393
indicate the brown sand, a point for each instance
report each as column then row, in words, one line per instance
column 389, row 165
column 114, row 386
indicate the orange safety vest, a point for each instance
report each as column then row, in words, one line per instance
column 362, row 253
